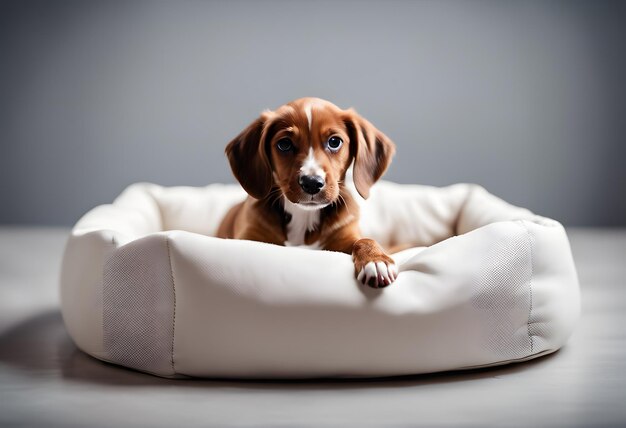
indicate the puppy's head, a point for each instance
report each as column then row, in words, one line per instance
column 304, row 148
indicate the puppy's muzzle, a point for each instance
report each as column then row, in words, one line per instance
column 311, row 184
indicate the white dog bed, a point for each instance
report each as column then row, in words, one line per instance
column 145, row 285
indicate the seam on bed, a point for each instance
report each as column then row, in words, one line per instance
column 530, row 284
column 107, row 256
column 457, row 221
column 169, row 258
column 156, row 202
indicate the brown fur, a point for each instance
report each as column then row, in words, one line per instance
column 268, row 175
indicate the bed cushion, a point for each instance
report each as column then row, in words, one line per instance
column 145, row 285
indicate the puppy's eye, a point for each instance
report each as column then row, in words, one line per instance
column 334, row 143
column 284, row 144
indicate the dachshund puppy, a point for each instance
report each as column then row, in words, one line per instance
column 293, row 163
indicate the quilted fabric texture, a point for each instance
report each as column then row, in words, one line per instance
column 145, row 285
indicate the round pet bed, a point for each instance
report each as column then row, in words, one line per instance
column 145, row 285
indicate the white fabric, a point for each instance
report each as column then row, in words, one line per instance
column 145, row 285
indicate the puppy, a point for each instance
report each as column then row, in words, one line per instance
column 293, row 163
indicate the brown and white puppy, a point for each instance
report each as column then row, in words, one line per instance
column 293, row 163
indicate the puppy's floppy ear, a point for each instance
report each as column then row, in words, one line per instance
column 249, row 160
column 371, row 150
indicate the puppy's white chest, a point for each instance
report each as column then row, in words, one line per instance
column 302, row 221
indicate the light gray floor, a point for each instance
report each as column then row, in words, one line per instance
column 46, row 381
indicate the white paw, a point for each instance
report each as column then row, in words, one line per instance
column 378, row 274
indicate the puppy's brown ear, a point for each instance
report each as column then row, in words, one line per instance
column 249, row 161
column 371, row 150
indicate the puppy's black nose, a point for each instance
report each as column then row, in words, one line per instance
column 311, row 184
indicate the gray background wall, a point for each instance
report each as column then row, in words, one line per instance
column 526, row 98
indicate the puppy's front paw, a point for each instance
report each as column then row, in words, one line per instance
column 372, row 266
column 378, row 274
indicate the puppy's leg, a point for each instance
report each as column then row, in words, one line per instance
column 372, row 265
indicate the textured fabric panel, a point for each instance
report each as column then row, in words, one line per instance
column 138, row 306
column 502, row 296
